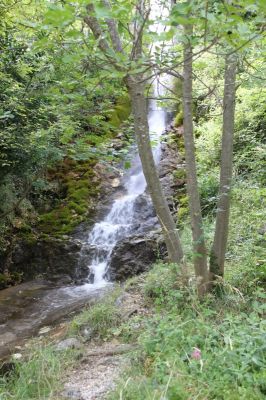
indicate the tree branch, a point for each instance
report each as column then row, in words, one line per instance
column 116, row 42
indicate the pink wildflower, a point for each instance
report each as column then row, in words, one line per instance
column 196, row 354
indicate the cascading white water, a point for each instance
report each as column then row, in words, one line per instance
column 51, row 303
column 119, row 222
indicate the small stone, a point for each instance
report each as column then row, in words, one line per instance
column 17, row 356
column 115, row 183
column 87, row 333
column 72, row 393
column 44, row 330
column 70, row 343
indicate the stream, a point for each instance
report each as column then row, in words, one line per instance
column 25, row 308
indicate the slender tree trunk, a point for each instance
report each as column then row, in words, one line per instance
column 139, row 105
column 136, row 88
column 218, row 250
column 200, row 254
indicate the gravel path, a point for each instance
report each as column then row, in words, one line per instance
column 96, row 375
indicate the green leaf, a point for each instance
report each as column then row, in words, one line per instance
column 59, row 17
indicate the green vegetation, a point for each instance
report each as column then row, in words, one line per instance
column 56, row 113
column 37, row 377
column 99, row 318
column 65, row 92
column 228, row 330
column 80, row 186
column 214, row 349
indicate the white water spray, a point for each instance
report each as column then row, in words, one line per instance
column 119, row 222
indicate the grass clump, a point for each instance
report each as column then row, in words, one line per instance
column 100, row 318
column 38, row 377
column 197, row 350
column 211, row 349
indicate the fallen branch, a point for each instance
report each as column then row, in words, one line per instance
column 112, row 352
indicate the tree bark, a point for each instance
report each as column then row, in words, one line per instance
column 218, row 251
column 136, row 88
column 139, row 105
column 200, row 254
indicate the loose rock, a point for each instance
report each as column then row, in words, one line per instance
column 67, row 344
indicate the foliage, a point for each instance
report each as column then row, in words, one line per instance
column 100, row 318
column 38, row 377
column 213, row 349
column 250, row 151
column 55, row 103
column 246, row 253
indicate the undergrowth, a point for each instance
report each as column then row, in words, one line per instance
column 216, row 348
column 99, row 319
column 36, row 377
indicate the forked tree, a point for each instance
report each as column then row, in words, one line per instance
column 135, row 81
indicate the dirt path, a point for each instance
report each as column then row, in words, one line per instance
column 101, row 365
column 96, row 375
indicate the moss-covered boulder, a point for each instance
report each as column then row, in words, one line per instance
column 79, row 186
column 121, row 111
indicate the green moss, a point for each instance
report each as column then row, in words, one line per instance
column 121, row 111
column 80, row 185
column 183, row 209
column 29, row 237
column 180, row 173
column 178, row 121
column 183, row 201
column 8, row 279
column 114, row 119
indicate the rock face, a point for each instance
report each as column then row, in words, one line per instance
column 144, row 215
column 135, row 255
column 171, row 161
column 54, row 259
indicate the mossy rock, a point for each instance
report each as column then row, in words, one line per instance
column 182, row 213
column 7, row 280
column 178, row 121
column 180, row 173
column 183, row 207
column 121, row 111
column 81, row 187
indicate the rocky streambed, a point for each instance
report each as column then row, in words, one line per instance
column 66, row 282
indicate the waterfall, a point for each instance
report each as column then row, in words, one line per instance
column 119, row 222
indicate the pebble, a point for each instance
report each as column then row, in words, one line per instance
column 70, row 343
column 72, row 393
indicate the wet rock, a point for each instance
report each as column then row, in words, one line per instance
column 6, row 338
column 170, row 162
column 170, row 159
column 62, row 261
column 67, row 344
column 135, row 255
column 144, row 215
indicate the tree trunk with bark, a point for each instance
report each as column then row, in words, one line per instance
column 139, row 105
column 218, row 250
column 136, row 88
column 200, row 254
